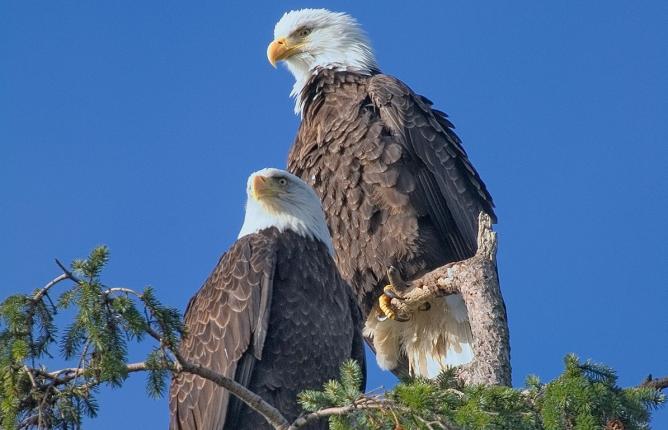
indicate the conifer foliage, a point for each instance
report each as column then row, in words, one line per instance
column 584, row 397
column 103, row 320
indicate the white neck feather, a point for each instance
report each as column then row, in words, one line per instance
column 301, row 219
column 336, row 43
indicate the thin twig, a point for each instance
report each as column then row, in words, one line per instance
column 122, row 290
column 39, row 294
column 431, row 425
column 28, row 422
column 84, row 353
column 43, row 403
column 65, row 375
column 363, row 403
column 67, row 272
column 28, row 370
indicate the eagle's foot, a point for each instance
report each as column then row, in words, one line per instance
column 387, row 310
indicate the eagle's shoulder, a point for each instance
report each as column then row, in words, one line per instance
column 252, row 251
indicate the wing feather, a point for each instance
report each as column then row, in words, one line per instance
column 226, row 323
column 447, row 183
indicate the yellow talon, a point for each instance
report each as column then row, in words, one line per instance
column 385, row 304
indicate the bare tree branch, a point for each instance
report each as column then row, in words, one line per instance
column 255, row 402
column 31, row 376
column 432, row 425
column 657, row 384
column 44, row 290
column 122, row 290
column 67, row 272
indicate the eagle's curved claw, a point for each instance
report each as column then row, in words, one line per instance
column 380, row 316
column 385, row 305
column 392, row 292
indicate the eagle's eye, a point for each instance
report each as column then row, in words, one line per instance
column 303, row 32
column 282, row 182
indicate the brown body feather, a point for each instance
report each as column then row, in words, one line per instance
column 395, row 182
column 274, row 315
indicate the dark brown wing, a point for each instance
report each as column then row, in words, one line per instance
column 450, row 187
column 226, row 322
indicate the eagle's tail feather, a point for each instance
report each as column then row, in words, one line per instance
column 432, row 340
column 439, row 338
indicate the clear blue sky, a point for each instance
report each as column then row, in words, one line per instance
column 135, row 124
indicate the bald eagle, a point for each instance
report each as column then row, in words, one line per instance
column 274, row 314
column 396, row 184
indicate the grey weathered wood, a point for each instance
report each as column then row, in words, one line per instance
column 478, row 282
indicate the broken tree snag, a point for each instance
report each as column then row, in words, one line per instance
column 477, row 280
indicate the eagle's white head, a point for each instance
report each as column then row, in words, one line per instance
column 279, row 199
column 310, row 39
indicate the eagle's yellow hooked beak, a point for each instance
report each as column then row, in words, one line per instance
column 263, row 187
column 280, row 49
